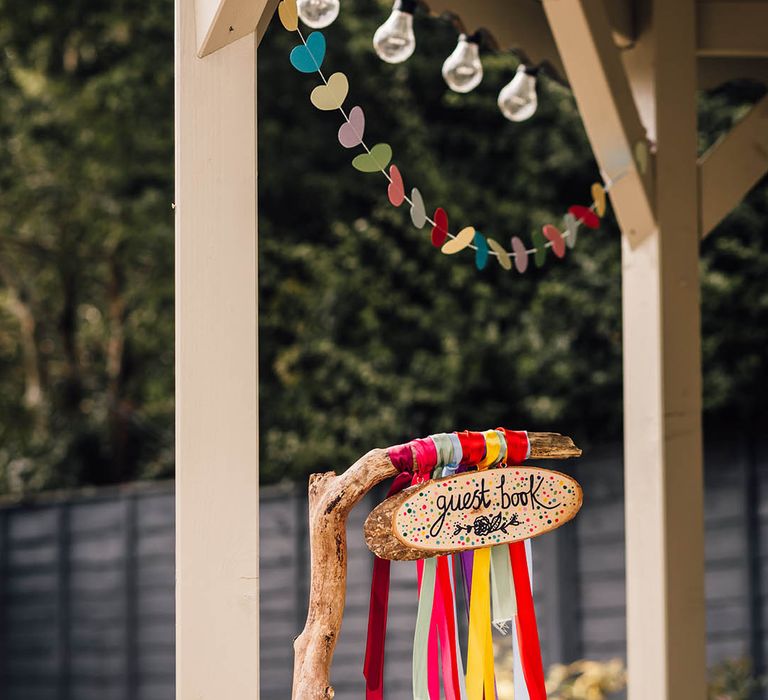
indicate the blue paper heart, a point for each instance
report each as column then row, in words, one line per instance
column 481, row 254
column 308, row 58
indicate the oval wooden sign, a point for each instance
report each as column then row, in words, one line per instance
column 471, row 510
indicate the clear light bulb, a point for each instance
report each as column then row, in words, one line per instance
column 318, row 13
column 394, row 41
column 517, row 99
column 462, row 70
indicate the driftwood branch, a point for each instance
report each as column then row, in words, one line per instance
column 331, row 498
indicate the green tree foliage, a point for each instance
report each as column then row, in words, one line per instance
column 86, row 242
column 369, row 336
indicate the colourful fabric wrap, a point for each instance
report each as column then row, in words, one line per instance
column 502, row 458
column 458, row 453
column 401, row 457
column 527, row 631
column 472, row 445
column 518, row 445
column 444, row 450
column 480, row 667
column 426, row 454
column 479, row 662
column 373, row 667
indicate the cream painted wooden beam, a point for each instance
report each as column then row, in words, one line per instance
column 217, row 483
column 520, row 24
column 727, row 28
column 220, row 22
column 666, row 630
column 593, row 65
column 733, row 166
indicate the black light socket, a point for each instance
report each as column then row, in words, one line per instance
column 408, row 6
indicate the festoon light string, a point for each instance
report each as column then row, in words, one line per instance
column 437, row 651
column 330, row 96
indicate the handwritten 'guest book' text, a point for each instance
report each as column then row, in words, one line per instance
column 472, row 510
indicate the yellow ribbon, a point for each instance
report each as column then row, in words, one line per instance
column 480, row 669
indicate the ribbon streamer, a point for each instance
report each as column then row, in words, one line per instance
column 373, row 667
column 527, row 631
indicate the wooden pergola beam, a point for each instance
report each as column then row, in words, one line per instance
column 220, row 22
column 583, row 34
column 732, row 167
column 732, row 28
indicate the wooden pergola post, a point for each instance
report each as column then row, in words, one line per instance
column 217, row 483
column 666, row 633
column 666, row 615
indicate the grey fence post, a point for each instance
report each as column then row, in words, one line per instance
column 63, row 609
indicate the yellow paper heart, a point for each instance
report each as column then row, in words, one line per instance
column 641, row 156
column 332, row 95
column 463, row 239
column 289, row 15
column 503, row 255
column 598, row 197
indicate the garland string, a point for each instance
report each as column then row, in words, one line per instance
column 607, row 186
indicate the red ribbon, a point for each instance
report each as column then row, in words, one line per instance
column 527, row 631
column 447, row 629
column 472, row 445
column 373, row 668
column 426, row 454
column 517, row 445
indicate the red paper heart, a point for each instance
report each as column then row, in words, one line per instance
column 585, row 215
column 552, row 234
column 440, row 229
column 396, row 190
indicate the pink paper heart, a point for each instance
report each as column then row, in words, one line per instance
column 351, row 131
column 396, row 189
column 553, row 235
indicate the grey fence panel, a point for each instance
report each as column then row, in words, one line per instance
column 87, row 585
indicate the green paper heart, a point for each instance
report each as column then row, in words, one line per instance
column 539, row 242
column 376, row 160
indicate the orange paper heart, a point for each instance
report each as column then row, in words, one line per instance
column 396, row 190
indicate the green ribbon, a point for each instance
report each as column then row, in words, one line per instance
column 421, row 634
column 503, row 602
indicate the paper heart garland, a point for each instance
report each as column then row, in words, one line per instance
column 481, row 252
column 585, row 215
column 289, row 15
column 641, row 156
column 463, row 239
column 331, row 95
column 440, row 228
column 553, row 235
column 308, row 57
column 598, row 197
column 539, row 243
column 396, row 189
column 418, row 213
column 377, row 159
column 572, row 228
column 502, row 255
column 521, row 255
column 352, row 130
